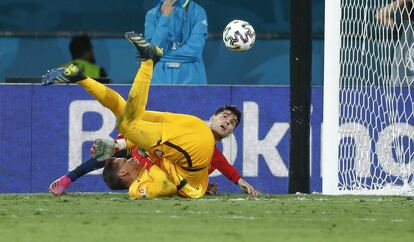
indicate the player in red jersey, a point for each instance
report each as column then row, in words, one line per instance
column 218, row 162
column 222, row 124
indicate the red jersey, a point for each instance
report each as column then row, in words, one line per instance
column 220, row 163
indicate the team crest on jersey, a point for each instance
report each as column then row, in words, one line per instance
column 142, row 192
column 158, row 153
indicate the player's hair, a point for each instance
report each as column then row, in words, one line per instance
column 78, row 45
column 232, row 109
column 111, row 177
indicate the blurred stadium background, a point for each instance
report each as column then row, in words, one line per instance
column 35, row 36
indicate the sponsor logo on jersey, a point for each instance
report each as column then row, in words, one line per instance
column 142, row 192
column 158, row 153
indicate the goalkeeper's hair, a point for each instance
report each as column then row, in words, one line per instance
column 110, row 175
column 231, row 108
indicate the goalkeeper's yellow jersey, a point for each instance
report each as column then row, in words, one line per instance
column 191, row 184
column 151, row 184
column 185, row 152
column 185, row 140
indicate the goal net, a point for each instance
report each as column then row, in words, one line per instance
column 368, row 132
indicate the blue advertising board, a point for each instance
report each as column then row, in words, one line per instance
column 47, row 131
column 377, row 138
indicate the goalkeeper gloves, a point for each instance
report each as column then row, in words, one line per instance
column 103, row 149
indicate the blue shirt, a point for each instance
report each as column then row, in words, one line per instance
column 182, row 35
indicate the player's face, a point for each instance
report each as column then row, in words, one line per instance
column 125, row 165
column 223, row 124
column 128, row 170
column 119, row 161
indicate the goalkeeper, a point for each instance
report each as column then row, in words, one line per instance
column 180, row 144
column 218, row 162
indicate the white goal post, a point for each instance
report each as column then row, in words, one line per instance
column 368, row 113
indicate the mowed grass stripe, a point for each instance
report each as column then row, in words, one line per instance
column 235, row 217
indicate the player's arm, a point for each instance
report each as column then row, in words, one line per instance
column 121, row 143
column 157, row 32
column 102, row 149
column 59, row 186
column 151, row 184
column 220, row 162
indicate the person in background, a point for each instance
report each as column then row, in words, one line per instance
column 179, row 27
column 81, row 50
column 218, row 161
column 192, row 168
column 398, row 17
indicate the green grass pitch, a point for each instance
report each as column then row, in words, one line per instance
column 114, row 217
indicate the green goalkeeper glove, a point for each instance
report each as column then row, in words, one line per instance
column 103, row 149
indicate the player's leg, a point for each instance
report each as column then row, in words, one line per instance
column 72, row 74
column 138, row 95
column 106, row 96
column 153, row 116
column 132, row 123
column 112, row 100
column 196, row 187
column 67, row 74
column 189, row 184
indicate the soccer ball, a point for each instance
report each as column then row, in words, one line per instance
column 239, row 35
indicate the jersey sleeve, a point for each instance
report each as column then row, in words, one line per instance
column 157, row 31
column 151, row 184
column 220, row 163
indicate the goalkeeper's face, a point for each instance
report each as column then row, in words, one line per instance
column 128, row 169
column 222, row 124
